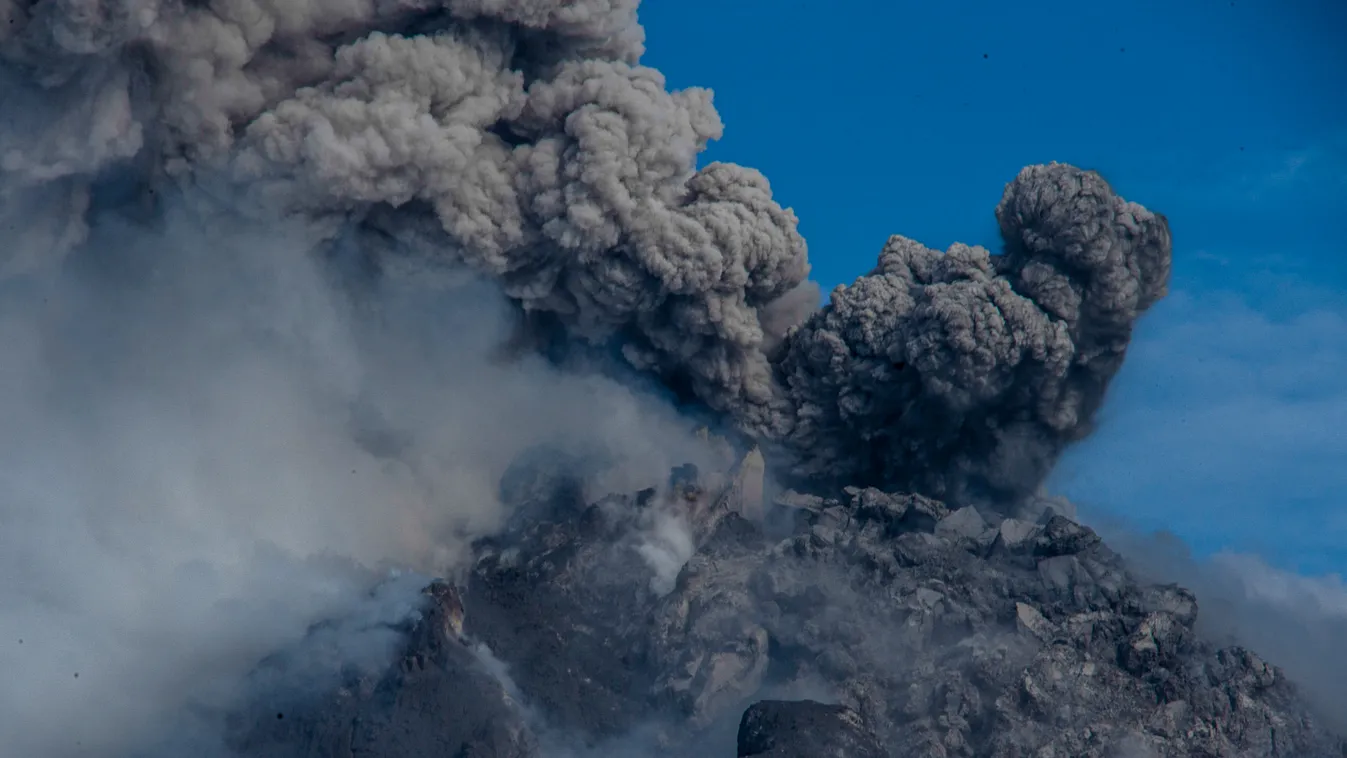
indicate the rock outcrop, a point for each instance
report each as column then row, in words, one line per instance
column 438, row 699
column 870, row 624
column 804, row 729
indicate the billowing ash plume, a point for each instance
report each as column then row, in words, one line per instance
column 965, row 374
column 522, row 140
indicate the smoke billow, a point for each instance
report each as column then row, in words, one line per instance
column 523, row 141
column 963, row 374
column 259, row 256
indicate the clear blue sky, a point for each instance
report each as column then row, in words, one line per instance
column 1229, row 424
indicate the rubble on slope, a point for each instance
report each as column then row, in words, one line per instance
column 437, row 699
column 804, row 729
column 929, row 632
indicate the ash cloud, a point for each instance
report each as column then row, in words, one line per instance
column 963, row 374
column 524, row 142
column 263, row 255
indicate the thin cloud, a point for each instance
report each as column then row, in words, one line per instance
column 1226, row 425
column 1225, row 179
column 1270, row 172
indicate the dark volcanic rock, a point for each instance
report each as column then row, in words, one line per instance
column 938, row 633
column 804, row 729
column 1062, row 536
column 565, row 603
column 436, row 701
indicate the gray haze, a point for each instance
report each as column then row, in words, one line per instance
column 206, row 449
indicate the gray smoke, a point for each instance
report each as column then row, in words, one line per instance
column 205, row 450
column 519, row 139
column 522, row 140
column 962, row 374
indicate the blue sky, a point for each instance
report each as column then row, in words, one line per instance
column 1229, row 423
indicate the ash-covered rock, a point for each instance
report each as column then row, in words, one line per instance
column 934, row 633
column 805, row 729
column 437, row 699
column 565, row 603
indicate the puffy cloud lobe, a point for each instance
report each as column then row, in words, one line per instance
column 599, row 28
column 519, row 139
column 964, row 374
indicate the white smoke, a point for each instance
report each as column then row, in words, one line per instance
column 207, row 448
column 666, row 547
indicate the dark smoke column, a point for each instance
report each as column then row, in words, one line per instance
column 962, row 374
